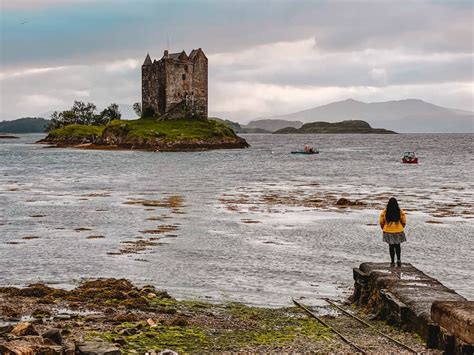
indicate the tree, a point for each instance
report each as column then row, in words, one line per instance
column 55, row 122
column 84, row 113
column 112, row 112
column 137, row 107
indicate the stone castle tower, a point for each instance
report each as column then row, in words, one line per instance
column 176, row 85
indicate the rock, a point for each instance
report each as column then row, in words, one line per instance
column 346, row 202
column 54, row 335
column 96, row 347
column 179, row 321
column 168, row 352
column 6, row 329
column 23, row 329
column 151, row 322
column 151, row 295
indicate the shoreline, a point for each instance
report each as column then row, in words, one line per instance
column 114, row 314
column 174, row 147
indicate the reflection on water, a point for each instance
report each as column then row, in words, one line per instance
column 66, row 215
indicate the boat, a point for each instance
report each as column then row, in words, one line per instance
column 309, row 152
column 410, row 158
column 308, row 149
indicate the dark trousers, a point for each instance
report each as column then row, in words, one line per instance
column 395, row 248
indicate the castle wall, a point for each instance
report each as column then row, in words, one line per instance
column 200, row 85
column 179, row 82
column 150, row 82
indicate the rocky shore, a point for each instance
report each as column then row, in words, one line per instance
column 157, row 146
column 112, row 316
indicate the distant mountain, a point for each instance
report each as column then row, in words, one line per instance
column 24, row 125
column 272, row 125
column 238, row 128
column 408, row 116
column 352, row 126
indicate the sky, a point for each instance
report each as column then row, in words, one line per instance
column 265, row 57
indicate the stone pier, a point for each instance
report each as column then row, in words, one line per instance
column 407, row 297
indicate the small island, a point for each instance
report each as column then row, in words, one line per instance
column 148, row 134
column 173, row 111
column 8, row 136
column 350, row 126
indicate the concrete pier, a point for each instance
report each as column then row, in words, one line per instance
column 415, row 301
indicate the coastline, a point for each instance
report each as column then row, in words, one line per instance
column 164, row 147
column 114, row 316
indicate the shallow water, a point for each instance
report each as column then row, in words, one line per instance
column 246, row 250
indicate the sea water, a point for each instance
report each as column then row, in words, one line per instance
column 247, row 230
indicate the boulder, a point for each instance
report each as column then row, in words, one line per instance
column 54, row 335
column 23, row 329
column 96, row 347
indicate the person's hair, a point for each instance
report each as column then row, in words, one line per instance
column 392, row 213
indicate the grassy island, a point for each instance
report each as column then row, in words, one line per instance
column 149, row 134
column 349, row 126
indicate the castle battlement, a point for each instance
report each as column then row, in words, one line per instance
column 176, row 85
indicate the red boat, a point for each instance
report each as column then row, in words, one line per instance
column 410, row 158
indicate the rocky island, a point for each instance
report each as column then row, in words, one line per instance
column 173, row 111
column 349, row 126
column 148, row 134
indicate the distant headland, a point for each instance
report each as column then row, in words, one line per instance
column 173, row 113
column 350, row 126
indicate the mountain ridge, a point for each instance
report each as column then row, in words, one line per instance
column 404, row 116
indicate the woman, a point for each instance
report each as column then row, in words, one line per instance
column 392, row 222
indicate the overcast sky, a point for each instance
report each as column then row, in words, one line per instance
column 265, row 57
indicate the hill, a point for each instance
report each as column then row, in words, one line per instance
column 24, row 125
column 408, row 116
column 239, row 128
column 148, row 134
column 352, row 126
column 272, row 125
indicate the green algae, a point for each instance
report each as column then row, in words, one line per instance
column 200, row 326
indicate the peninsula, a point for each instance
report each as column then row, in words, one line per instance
column 350, row 126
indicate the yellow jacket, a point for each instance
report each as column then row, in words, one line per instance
column 393, row 227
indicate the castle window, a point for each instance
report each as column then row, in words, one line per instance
column 186, row 68
column 184, row 76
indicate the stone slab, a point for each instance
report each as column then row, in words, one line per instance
column 456, row 317
column 405, row 296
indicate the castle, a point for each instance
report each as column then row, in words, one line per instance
column 175, row 86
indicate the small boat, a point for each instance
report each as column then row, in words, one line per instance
column 309, row 152
column 409, row 158
column 306, row 150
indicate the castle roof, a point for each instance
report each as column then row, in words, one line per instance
column 194, row 53
column 147, row 60
column 178, row 56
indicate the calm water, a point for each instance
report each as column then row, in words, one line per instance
column 294, row 249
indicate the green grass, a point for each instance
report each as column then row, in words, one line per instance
column 151, row 128
column 184, row 129
column 77, row 131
